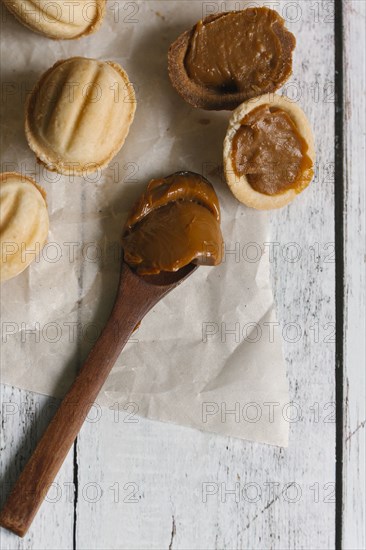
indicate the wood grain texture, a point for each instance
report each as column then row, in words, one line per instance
column 135, row 297
column 24, row 416
column 354, row 456
column 142, row 484
column 284, row 497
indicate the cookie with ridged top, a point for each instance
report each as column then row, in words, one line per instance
column 23, row 223
column 62, row 20
column 79, row 114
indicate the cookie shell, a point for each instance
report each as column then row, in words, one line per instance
column 72, row 19
column 239, row 185
column 79, row 114
column 24, row 222
column 204, row 98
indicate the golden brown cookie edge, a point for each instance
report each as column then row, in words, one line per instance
column 29, row 106
column 239, row 186
column 200, row 97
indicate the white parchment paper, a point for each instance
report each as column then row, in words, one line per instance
column 209, row 355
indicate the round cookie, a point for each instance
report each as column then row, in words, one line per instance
column 62, row 20
column 238, row 183
column 79, row 114
column 23, row 223
column 229, row 57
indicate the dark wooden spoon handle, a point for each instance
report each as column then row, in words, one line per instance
column 135, row 298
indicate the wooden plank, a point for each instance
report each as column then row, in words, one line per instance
column 354, row 486
column 24, row 416
column 283, row 498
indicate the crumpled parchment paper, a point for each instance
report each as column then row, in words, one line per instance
column 209, row 355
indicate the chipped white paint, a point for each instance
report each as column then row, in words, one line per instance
column 144, row 484
column 355, row 257
column 285, row 498
column 24, row 416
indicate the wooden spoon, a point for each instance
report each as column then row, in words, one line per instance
column 135, row 297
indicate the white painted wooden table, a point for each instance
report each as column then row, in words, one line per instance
column 130, row 483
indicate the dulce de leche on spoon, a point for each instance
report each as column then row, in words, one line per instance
column 175, row 222
column 174, row 226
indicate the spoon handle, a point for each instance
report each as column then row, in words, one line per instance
column 133, row 301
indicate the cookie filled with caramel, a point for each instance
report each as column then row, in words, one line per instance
column 175, row 222
column 228, row 58
column 268, row 152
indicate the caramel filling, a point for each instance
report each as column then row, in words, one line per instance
column 249, row 51
column 269, row 150
column 175, row 222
